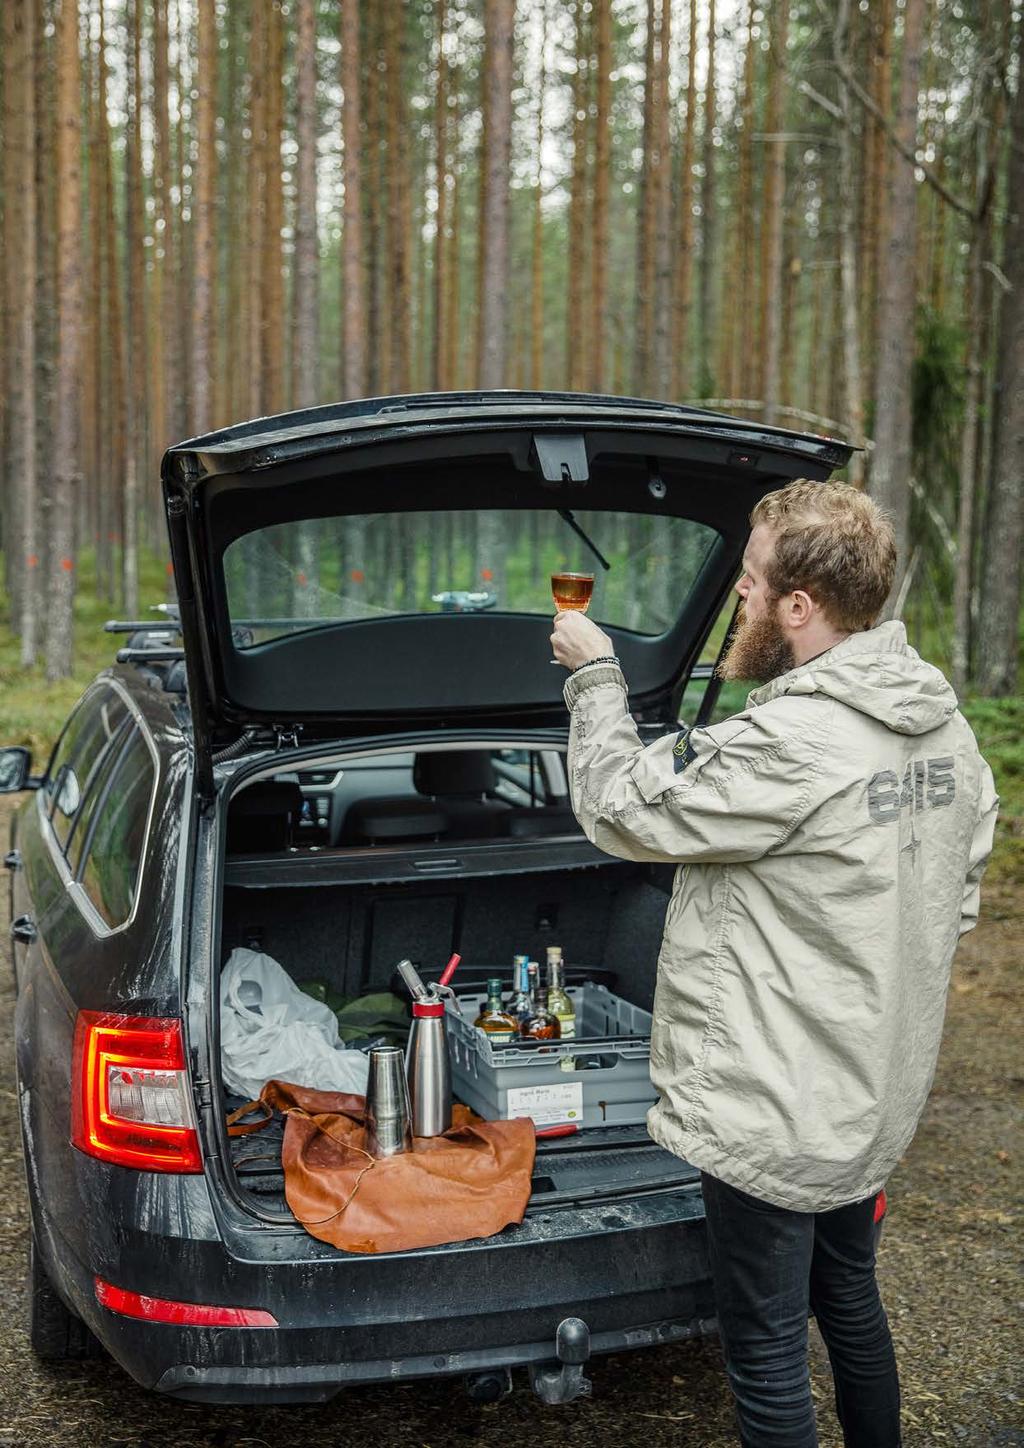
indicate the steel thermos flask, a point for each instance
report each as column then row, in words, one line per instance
column 426, row 1061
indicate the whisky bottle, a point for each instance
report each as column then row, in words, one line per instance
column 541, row 1025
column 495, row 1022
column 520, row 1005
column 559, row 1001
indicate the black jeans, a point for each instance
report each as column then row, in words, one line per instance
column 769, row 1267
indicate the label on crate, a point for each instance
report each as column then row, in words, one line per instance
column 548, row 1105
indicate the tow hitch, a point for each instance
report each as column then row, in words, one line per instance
column 563, row 1383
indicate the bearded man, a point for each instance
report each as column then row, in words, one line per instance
column 830, row 840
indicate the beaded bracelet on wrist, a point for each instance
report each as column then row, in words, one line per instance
column 605, row 659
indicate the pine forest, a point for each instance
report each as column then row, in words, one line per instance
column 806, row 212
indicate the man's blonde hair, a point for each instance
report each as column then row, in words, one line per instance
column 833, row 542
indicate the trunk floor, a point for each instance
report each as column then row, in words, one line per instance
column 599, row 1163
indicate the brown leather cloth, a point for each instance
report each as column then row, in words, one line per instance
column 470, row 1182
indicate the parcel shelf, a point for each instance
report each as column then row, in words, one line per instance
column 601, row 1077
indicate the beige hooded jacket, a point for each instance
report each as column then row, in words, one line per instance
column 831, row 840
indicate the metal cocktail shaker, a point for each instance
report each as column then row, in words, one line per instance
column 388, row 1117
column 427, row 1064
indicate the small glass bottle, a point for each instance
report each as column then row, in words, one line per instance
column 495, row 1022
column 559, row 1001
column 520, row 1004
column 541, row 1025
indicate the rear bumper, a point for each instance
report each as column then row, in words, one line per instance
column 636, row 1272
column 314, row 1382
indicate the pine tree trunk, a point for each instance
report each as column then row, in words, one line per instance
column 46, row 290
column 21, row 524
column 60, row 569
column 135, row 330
column 602, row 168
column 883, row 162
column 997, row 645
column 745, row 363
column 398, row 294
column 537, row 256
column 167, row 321
column 773, row 212
column 183, row 251
column 455, row 349
column 682, row 330
column 499, row 18
column 710, row 262
column 379, row 355
column 9, row 61
column 438, row 351
column 204, row 180
column 255, row 211
column 272, row 391
column 93, row 385
column 307, row 301
column 114, row 413
column 663, row 269
column 853, row 409
column 647, row 214
column 575, row 345
column 353, row 379
column 891, row 463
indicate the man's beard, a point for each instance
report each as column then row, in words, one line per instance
column 759, row 650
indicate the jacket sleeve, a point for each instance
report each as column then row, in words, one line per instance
column 723, row 794
column 981, row 848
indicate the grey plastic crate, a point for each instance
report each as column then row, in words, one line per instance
column 608, row 1083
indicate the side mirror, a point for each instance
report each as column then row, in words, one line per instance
column 15, row 769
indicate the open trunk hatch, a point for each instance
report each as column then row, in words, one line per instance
column 386, row 563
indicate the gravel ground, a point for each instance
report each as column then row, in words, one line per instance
column 949, row 1268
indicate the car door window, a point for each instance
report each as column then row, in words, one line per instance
column 112, row 845
column 89, row 733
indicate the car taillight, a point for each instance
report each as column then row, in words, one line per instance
column 130, row 1100
column 182, row 1314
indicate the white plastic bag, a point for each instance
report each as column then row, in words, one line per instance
column 271, row 1030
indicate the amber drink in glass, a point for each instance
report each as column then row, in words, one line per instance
column 572, row 590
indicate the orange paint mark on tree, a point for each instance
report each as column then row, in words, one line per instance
column 169, row 569
column 301, row 578
column 358, row 576
column 32, row 560
column 67, row 564
column 486, row 574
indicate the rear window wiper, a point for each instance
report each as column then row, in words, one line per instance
column 567, row 514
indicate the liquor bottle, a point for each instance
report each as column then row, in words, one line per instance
column 559, row 1001
column 541, row 1025
column 520, row 1004
column 495, row 1022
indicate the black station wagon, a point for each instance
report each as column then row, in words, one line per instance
column 346, row 745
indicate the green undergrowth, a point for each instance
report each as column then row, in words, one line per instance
column 32, row 710
column 999, row 726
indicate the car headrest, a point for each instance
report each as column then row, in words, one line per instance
column 454, row 772
column 269, row 797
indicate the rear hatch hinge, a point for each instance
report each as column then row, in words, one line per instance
column 287, row 735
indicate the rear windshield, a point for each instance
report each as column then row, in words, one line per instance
column 325, row 570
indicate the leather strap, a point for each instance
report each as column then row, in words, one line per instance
column 238, row 1127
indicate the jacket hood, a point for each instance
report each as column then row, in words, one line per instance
column 878, row 673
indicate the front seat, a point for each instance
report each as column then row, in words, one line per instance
column 462, row 783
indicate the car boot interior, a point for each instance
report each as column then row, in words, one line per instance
column 385, row 800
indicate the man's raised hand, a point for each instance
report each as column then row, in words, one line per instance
column 577, row 640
